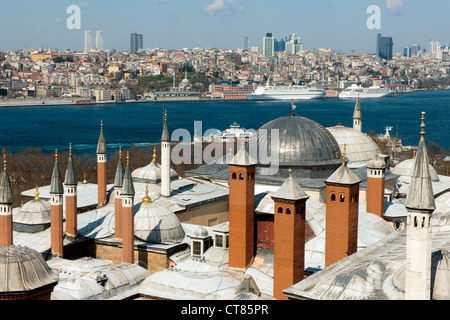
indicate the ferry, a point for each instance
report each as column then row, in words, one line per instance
column 231, row 134
column 293, row 92
column 372, row 92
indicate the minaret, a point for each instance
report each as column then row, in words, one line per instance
column 101, row 167
column 241, row 210
column 70, row 191
column 375, row 186
column 118, row 182
column 6, row 202
column 165, row 159
column 56, row 210
column 357, row 116
column 420, row 206
column 341, row 231
column 289, row 236
column 128, row 215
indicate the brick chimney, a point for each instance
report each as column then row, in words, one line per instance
column 118, row 182
column 70, row 191
column 375, row 186
column 6, row 202
column 128, row 215
column 101, row 168
column 56, row 210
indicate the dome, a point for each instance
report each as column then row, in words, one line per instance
column 23, row 270
column 406, row 169
column 151, row 174
column 360, row 148
column 157, row 224
column 200, row 232
column 305, row 146
column 185, row 83
column 34, row 212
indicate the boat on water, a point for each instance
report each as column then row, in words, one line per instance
column 293, row 92
column 233, row 133
column 371, row 92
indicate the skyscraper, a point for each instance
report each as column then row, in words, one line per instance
column 384, row 47
column 99, row 40
column 136, row 42
column 268, row 45
column 87, row 41
column 246, row 43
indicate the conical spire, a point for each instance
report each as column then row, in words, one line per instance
column 165, row 133
column 6, row 194
column 420, row 195
column 290, row 190
column 101, row 146
column 71, row 177
column 56, row 186
column 357, row 114
column 118, row 180
column 128, row 186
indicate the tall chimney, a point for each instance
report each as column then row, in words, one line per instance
column 375, row 186
column 56, row 210
column 101, row 168
column 118, row 182
column 70, row 191
column 6, row 202
column 128, row 215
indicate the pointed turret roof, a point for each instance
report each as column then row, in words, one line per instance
column 128, row 186
column 6, row 194
column 101, row 146
column 56, row 186
column 242, row 158
column 343, row 175
column 118, row 180
column 71, row 177
column 165, row 133
column 290, row 190
column 420, row 194
column 357, row 114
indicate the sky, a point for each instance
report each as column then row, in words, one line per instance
column 176, row 24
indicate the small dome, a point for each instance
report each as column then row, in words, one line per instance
column 376, row 163
column 34, row 212
column 360, row 148
column 200, row 232
column 406, row 169
column 151, row 174
column 23, row 269
column 157, row 224
column 185, row 83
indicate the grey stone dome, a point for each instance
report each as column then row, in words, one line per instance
column 33, row 216
column 406, row 169
column 305, row 146
column 157, row 224
column 23, row 270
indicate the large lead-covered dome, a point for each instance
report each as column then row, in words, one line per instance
column 305, row 146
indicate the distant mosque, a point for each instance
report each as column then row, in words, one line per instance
column 229, row 231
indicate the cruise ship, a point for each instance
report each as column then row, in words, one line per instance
column 295, row 92
column 372, row 92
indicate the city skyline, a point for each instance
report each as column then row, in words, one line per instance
column 223, row 24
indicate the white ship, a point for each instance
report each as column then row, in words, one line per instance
column 234, row 133
column 372, row 92
column 296, row 92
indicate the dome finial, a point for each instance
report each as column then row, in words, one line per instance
column 85, row 181
column 120, row 152
column 422, row 126
column 70, row 149
column 56, row 155
column 154, row 155
column 293, row 108
column 101, row 125
column 343, row 155
column 128, row 157
column 146, row 199
column 37, row 194
column 4, row 160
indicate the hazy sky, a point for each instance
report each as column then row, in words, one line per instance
column 173, row 24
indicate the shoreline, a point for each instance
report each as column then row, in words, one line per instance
column 67, row 102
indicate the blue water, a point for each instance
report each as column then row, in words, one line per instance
column 54, row 127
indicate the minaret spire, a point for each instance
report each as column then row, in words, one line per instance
column 357, row 116
column 165, row 158
column 6, row 202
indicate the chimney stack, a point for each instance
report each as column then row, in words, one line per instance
column 6, row 202
column 70, row 191
column 128, row 215
column 56, row 210
column 101, row 168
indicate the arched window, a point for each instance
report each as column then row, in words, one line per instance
column 241, row 176
column 234, row 176
column 288, row 211
column 280, row 210
column 342, row 198
column 333, row 197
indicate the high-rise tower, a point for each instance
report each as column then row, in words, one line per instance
column 87, row 41
column 99, row 40
column 420, row 206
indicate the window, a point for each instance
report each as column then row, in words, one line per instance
column 241, row 176
column 196, row 248
column 288, row 211
column 280, row 210
column 333, row 197
column 227, row 240
column 342, row 198
column 234, row 176
column 219, row 241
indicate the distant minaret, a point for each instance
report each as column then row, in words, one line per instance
column 420, row 205
column 56, row 210
column 357, row 116
column 101, row 167
column 128, row 215
column 6, row 202
column 118, row 182
column 70, row 191
column 289, row 236
column 165, row 159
